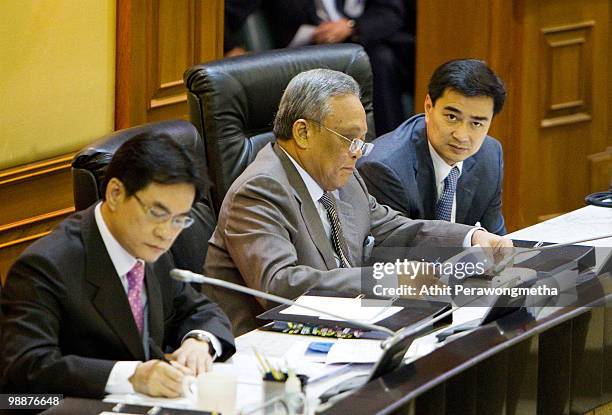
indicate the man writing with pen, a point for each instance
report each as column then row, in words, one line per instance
column 90, row 308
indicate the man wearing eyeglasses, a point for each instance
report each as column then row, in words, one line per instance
column 90, row 309
column 300, row 217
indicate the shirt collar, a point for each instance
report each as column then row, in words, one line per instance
column 122, row 259
column 441, row 168
column 313, row 187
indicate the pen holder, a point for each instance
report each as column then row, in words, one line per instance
column 273, row 388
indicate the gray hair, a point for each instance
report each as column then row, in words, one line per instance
column 307, row 96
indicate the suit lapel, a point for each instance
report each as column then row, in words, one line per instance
column 154, row 297
column 309, row 212
column 425, row 178
column 110, row 299
column 466, row 190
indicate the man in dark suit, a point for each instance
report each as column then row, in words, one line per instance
column 90, row 308
column 385, row 28
column 300, row 216
column 442, row 164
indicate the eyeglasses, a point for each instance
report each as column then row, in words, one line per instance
column 158, row 215
column 356, row 143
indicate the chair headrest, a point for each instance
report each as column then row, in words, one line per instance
column 89, row 164
column 233, row 101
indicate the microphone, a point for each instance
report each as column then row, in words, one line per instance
column 188, row 276
column 502, row 265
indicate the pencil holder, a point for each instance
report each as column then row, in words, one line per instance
column 273, row 388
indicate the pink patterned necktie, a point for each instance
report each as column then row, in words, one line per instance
column 135, row 284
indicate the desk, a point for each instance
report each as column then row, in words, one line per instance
column 557, row 364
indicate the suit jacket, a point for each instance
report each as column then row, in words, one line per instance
column 269, row 236
column 399, row 173
column 67, row 319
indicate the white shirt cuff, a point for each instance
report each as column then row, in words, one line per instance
column 118, row 379
column 467, row 242
column 215, row 343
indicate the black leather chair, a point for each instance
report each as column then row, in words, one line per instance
column 233, row 101
column 89, row 165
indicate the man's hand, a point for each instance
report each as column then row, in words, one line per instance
column 499, row 246
column 195, row 355
column 157, row 378
column 336, row 31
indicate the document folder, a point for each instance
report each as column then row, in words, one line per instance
column 414, row 310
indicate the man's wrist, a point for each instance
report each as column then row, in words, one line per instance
column 199, row 336
column 353, row 30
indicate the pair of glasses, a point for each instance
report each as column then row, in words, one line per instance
column 356, row 143
column 159, row 215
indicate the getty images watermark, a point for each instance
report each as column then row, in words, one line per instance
column 476, row 276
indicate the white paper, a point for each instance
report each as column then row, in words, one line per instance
column 354, row 351
column 344, row 307
column 589, row 221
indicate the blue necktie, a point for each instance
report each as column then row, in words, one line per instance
column 444, row 207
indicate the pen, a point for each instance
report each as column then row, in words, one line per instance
column 156, row 351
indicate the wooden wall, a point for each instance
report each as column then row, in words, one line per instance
column 554, row 58
column 34, row 198
column 157, row 40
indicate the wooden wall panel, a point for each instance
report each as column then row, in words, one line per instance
column 554, row 58
column 565, row 80
column 34, row 198
column 600, row 171
column 157, row 40
column 563, row 117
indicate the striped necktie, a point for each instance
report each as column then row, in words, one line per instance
column 444, row 207
column 339, row 243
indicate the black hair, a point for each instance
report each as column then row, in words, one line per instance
column 148, row 158
column 469, row 77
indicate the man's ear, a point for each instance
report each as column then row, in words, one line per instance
column 300, row 133
column 115, row 193
column 428, row 105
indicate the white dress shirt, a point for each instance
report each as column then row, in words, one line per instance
column 123, row 262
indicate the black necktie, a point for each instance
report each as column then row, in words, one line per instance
column 339, row 243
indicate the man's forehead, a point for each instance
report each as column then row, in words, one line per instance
column 347, row 113
column 176, row 197
column 475, row 106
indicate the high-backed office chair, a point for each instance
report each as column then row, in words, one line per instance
column 232, row 102
column 89, row 165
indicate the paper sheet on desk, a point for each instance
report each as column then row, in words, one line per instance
column 248, row 387
column 350, row 307
column 354, row 351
